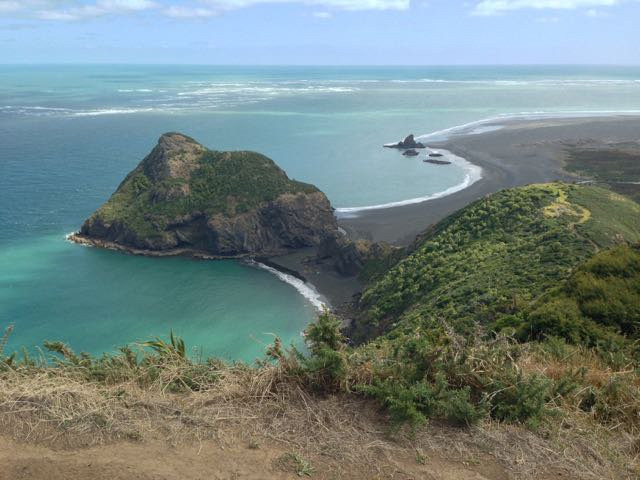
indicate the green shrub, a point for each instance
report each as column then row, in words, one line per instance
column 459, row 408
column 436, row 373
column 597, row 306
column 517, row 398
column 326, row 366
column 6, row 362
column 411, row 404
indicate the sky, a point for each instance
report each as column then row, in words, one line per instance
column 316, row 32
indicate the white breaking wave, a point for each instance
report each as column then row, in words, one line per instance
column 473, row 173
column 551, row 82
column 467, row 128
column 111, row 111
column 307, row 290
column 496, row 123
column 136, row 90
column 222, row 90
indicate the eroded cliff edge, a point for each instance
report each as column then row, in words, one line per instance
column 184, row 198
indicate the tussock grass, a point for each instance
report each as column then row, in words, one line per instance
column 306, row 406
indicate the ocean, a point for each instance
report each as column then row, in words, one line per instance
column 69, row 134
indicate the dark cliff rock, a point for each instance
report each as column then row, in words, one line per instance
column 408, row 142
column 183, row 196
column 361, row 257
column 437, row 162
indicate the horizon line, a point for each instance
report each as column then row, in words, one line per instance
column 410, row 65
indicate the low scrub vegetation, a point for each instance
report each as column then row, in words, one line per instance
column 432, row 374
column 494, row 258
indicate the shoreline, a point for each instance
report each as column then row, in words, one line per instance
column 515, row 153
column 510, row 152
column 473, row 174
column 85, row 241
column 520, row 152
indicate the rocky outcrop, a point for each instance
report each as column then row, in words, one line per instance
column 185, row 198
column 175, row 156
column 437, row 162
column 359, row 257
column 410, row 153
column 408, row 142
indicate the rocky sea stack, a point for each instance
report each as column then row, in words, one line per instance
column 408, row 142
column 184, row 198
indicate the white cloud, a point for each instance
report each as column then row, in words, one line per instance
column 496, row 7
column 71, row 10
column 208, row 8
column 594, row 13
column 12, row 6
column 224, row 5
column 188, row 12
column 6, row 6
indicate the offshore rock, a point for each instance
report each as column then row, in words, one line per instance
column 185, row 199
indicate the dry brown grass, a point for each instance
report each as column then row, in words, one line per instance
column 59, row 409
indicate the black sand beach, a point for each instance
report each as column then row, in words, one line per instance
column 522, row 152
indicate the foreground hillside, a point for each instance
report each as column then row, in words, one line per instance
column 504, row 345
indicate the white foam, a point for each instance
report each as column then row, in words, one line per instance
column 473, row 173
column 307, row 290
column 445, row 133
column 68, row 236
column 111, row 111
column 132, row 90
column 491, row 124
column 550, row 82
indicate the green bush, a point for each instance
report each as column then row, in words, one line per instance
column 6, row 361
column 326, row 366
column 436, row 373
column 599, row 305
column 517, row 398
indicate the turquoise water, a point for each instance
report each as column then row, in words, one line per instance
column 69, row 134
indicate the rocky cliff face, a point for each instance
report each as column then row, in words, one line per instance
column 183, row 196
column 359, row 257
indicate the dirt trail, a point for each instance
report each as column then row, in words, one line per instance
column 157, row 460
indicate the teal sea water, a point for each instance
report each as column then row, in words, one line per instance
column 69, row 134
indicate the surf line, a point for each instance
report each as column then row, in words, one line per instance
column 297, row 281
column 473, row 173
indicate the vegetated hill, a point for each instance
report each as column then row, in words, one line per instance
column 496, row 257
column 183, row 195
column 599, row 302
